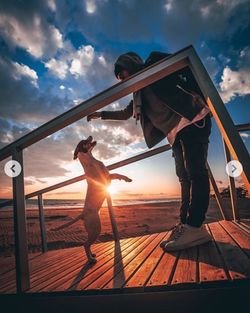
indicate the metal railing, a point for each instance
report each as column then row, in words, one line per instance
column 231, row 180
column 179, row 60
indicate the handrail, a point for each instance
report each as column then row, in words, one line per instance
column 243, row 127
column 110, row 167
column 231, row 181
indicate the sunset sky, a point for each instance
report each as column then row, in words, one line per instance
column 55, row 54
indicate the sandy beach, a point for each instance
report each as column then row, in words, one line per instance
column 132, row 220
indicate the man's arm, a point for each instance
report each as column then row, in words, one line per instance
column 113, row 115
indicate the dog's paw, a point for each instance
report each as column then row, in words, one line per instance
column 128, row 180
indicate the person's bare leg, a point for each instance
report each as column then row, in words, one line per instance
column 93, row 228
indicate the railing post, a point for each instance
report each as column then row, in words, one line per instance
column 21, row 246
column 232, row 189
column 216, row 192
column 112, row 217
column 42, row 223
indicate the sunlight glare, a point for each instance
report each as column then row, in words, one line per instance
column 111, row 190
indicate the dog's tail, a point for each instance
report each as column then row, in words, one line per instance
column 74, row 220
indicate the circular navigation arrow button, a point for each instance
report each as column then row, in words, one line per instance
column 234, row 168
column 12, row 168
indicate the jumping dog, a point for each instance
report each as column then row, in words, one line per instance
column 98, row 179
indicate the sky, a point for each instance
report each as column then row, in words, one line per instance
column 56, row 54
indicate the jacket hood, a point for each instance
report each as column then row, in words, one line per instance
column 130, row 61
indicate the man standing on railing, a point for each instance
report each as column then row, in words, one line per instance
column 173, row 107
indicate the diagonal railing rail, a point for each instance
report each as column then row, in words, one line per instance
column 185, row 57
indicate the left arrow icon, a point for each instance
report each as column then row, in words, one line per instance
column 12, row 168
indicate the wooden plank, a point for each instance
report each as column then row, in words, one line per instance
column 163, row 273
column 67, row 259
column 246, row 221
column 68, row 269
column 143, row 274
column 239, row 235
column 186, row 268
column 246, row 225
column 130, row 265
column 236, row 261
column 74, row 275
column 55, row 266
column 211, row 267
column 8, row 281
column 44, row 278
column 7, row 264
column 41, row 261
column 106, row 272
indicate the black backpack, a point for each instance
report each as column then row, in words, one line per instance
column 178, row 88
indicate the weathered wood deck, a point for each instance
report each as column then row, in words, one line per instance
column 138, row 264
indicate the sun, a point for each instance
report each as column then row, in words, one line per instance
column 111, row 189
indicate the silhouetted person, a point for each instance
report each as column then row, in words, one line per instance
column 173, row 107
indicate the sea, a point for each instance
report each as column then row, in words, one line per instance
column 32, row 204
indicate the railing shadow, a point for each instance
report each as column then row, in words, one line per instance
column 118, row 273
column 118, row 269
column 233, row 260
column 81, row 274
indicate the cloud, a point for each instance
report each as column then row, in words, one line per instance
column 212, row 66
column 82, row 60
column 57, row 68
column 84, row 63
column 234, row 83
column 244, row 135
column 90, row 6
column 189, row 19
column 52, row 5
column 244, row 59
column 21, row 101
column 25, row 25
column 24, row 70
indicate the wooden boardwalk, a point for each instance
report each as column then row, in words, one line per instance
column 138, row 264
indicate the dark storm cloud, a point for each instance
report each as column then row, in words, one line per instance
column 22, row 101
column 25, row 24
column 174, row 24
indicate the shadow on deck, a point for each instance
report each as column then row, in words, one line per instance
column 138, row 266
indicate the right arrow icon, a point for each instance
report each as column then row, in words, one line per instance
column 234, row 168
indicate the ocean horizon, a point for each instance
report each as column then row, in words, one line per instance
column 32, row 204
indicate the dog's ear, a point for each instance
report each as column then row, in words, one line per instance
column 79, row 148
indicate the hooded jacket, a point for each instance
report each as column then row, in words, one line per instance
column 172, row 97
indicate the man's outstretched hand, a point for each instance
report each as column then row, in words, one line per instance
column 93, row 116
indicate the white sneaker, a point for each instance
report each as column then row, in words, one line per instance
column 173, row 233
column 188, row 237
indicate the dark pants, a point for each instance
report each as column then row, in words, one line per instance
column 190, row 152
